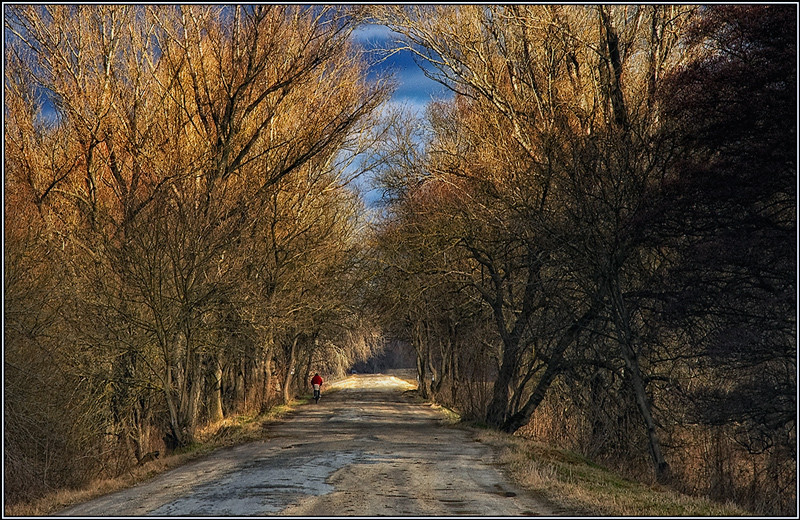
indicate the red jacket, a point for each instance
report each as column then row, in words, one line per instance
column 316, row 380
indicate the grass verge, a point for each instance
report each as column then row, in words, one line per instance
column 449, row 417
column 574, row 485
column 230, row 431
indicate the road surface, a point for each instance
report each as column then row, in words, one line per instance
column 364, row 450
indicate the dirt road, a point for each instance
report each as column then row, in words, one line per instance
column 364, row 450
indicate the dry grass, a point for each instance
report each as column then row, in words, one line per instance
column 571, row 483
column 60, row 499
column 228, row 432
column 451, row 417
column 575, row 485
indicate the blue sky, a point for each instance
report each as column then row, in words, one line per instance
column 414, row 89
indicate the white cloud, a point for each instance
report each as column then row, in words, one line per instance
column 414, row 106
column 373, row 33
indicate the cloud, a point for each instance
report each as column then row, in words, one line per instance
column 415, row 106
column 413, row 83
column 373, row 33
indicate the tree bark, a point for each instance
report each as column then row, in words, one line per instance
column 422, row 365
column 554, row 366
column 626, row 341
column 267, row 395
column 174, row 438
column 215, row 398
column 289, row 375
column 498, row 407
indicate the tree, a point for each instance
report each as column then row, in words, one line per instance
column 730, row 214
column 571, row 90
column 148, row 145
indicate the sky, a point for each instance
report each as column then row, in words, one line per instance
column 414, row 90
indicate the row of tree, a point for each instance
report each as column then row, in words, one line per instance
column 181, row 241
column 604, row 219
column 593, row 242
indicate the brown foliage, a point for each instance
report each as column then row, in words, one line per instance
column 539, row 204
column 176, row 174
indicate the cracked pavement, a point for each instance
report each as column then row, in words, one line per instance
column 365, row 449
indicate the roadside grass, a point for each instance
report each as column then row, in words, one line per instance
column 568, row 482
column 231, row 431
column 449, row 416
column 574, row 485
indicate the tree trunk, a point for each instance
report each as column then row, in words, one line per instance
column 174, row 437
column 454, row 371
column 626, row 341
column 643, row 403
column 498, row 407
column 267, row 395
column 238, row 385
column 289, row 375
column 422, row 366
column 215, row 398
column 498, row 411
column 523, row 416
column 141, row 418
column 196, row 392
column 614, row 69
column 189, row 399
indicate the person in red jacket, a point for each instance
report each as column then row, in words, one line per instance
column 316, row 384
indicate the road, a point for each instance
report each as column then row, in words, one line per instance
column 364, row 450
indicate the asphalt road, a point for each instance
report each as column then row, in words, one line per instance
column 363, row 450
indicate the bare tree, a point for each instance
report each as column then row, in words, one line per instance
column 150, row 142
column 573, row 89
